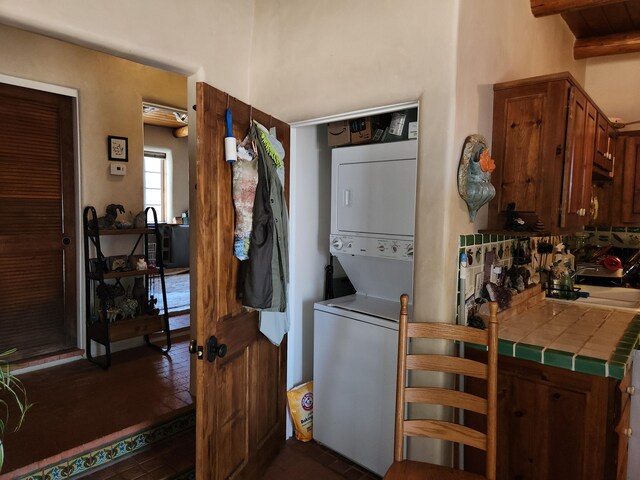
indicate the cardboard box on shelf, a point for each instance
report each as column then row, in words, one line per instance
column 338, row 133
column 361, row 130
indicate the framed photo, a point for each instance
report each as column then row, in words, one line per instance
column 119, row 263
column 118, row 148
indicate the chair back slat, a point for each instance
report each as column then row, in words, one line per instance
column 447, row 364
column 441, row 429
column 449, row 431
column 447, row 331
column 446, row 397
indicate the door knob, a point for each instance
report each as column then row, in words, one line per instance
column 195, row 349
column 214, row 350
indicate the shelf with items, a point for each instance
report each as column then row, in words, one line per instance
column 119, row 299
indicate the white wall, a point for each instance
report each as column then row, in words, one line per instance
column 613, row 84
column 310, row 216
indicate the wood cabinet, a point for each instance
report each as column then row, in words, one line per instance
column 544, row 132
column 578, row 161
column 603, row 160
column 553, row 423
column 630, row 180
column 115, row 311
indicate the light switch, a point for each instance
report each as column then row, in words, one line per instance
column 118, row 169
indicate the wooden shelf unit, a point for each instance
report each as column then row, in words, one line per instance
column 98, row 281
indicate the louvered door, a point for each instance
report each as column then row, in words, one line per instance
column 37, row 224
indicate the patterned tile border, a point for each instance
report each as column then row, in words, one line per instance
column 84, row 462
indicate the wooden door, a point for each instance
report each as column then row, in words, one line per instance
column 631, row 181
column 37, row 231
column 241, row 397
column 578, row 163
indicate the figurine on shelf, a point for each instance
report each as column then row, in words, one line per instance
column 140, row 220
column 141, row 264
column 108, row 222
column 128, row 307
column 514, row 223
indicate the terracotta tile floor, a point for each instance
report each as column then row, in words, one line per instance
column 79, row 406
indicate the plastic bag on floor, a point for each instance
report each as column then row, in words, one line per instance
column 301, row 407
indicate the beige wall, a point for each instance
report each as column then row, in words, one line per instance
column 613, row 84
column 110, row 95
column 207, row 37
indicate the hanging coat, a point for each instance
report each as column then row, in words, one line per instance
column 266, row 272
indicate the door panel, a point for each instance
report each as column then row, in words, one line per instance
column 37, row 201
column 240, row 398
column 631, row 181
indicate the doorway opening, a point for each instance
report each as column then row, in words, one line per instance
column 166, row 189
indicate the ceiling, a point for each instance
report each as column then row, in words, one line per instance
column 160, row 116
column 601, row 27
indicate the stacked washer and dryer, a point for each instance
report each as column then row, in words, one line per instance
column 373, row 192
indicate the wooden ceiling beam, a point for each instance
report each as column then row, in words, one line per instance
column 542, row 8
column 607, row 45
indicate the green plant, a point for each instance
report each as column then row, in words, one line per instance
column 11, row 390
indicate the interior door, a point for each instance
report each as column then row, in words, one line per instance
column 37, row 231
column 241, row 397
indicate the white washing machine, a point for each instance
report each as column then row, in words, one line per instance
column 354, row 370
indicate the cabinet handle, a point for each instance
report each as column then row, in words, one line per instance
column 631, row 390
column 627, row 432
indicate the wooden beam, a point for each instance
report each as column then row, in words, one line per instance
column 542, row 8
column 607, row 45
column 181, row 132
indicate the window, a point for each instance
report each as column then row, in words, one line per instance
column 154, row 184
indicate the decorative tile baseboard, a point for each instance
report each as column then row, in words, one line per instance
column 83, row 463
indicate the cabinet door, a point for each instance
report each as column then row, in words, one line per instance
column 603, row 158
column 631, row 182
column 528, row 145
column 576, row 187
column 552, row 423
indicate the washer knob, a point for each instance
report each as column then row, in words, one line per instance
column 410, row 250
column 336, row 243
column 381, row 247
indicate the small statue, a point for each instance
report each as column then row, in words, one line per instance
column 112, row 314
column 140, row 220
column 139, row 292
column 514, row 223
column 141, row 264
column 129, row 307
column 108, row 222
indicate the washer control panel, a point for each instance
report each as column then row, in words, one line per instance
column 372, row 247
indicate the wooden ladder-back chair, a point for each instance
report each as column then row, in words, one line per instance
column 439, row 429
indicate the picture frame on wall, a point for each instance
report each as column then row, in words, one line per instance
column 118, row 148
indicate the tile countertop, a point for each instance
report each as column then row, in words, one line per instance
column 587, row 339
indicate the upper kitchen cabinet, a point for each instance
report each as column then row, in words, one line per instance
column 604, row 160
column 544, row 132
column 630, row 180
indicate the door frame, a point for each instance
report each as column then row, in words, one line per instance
column 300, row 283
column 79, row 300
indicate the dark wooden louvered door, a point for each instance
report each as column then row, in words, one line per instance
column 37, row 224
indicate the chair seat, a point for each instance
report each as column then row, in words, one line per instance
column 412, row 470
